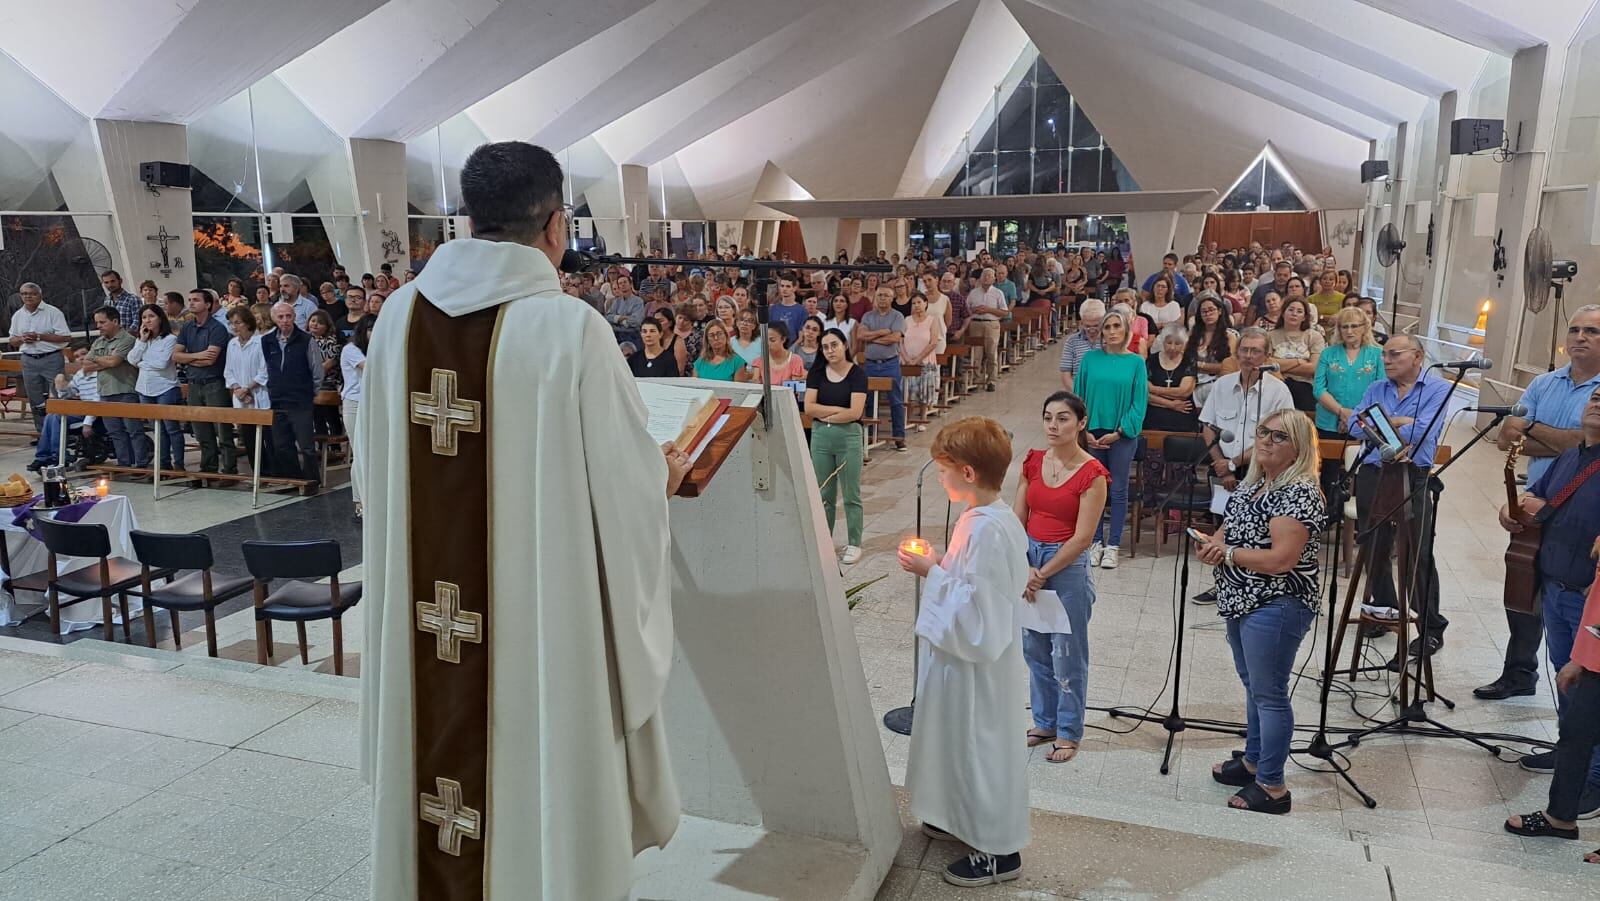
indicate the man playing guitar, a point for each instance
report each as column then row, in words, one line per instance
column 1566, row 502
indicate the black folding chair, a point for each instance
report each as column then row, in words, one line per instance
column 299, row 600
column 191, row 584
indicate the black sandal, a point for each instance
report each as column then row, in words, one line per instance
column 1234, row 773
column 1537, row 825
column 1257, row 800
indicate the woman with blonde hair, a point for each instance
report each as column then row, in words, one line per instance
column 1113, row 384
column 1266, row 559
column 1344, row 371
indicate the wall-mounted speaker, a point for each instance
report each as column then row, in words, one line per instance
column 164, row 175
column 1372, row 170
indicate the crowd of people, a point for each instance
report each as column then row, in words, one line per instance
column 274, row 346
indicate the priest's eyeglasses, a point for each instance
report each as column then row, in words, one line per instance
column 565, row 209
column 1272, row 435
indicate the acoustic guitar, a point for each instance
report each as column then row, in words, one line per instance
column 1522, row 578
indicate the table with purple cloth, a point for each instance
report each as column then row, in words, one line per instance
column 28, row 555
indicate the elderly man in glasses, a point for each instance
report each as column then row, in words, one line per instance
column 1413, row 402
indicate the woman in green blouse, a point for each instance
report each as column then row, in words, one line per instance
column 1344, row 370
column 717, row 362
column 1112, row 383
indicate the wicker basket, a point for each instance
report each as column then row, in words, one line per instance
column 6, row 502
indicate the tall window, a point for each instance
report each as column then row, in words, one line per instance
column 1263, row 187
column 1039, row 141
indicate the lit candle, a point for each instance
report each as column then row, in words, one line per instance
column 916, row 546
column 102, row 487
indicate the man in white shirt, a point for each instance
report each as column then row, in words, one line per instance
column 39, row 331
column 985, row 307
column 83, row 385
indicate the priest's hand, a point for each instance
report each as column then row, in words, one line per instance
column 916, row 564
column 677, row 467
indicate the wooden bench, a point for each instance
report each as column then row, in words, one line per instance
column 179, row 413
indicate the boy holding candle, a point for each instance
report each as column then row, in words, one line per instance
column 967, row 772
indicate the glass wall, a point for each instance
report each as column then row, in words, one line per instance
column 262, row 151
column 1039, row 142
column 1003, row 237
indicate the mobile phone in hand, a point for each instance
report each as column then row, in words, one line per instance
column 1198, row 535
column 1593, row 630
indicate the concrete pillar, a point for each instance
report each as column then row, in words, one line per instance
column 1372, row 221
column 1446, row 170
column 140, row 212
column 1149, row 237
column 380, row 178
column 850, row 237
column 332, row 183
column 750, row 236
column 636, row 209
column 821, row 236
column 1535, row 89
column 81, row 178
column 1394, row 199
column 604, row 197
column 1186, row 237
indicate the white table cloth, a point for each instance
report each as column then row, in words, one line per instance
column 28, row 555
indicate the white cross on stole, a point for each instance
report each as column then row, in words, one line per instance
column 444, row 413
column 445, row 618
column 454, row 819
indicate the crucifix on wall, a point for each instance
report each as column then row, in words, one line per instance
column 167, row 262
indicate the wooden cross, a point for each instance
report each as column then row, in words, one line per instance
column 446, row 414
column 454, row 819
column 445, row 618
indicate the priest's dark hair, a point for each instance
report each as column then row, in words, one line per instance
column 510, row 189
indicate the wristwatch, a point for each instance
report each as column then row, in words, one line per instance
column 1227, row 558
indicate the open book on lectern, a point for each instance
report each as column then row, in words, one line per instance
column 687, row 417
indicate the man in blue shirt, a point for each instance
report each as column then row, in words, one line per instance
column 880, row 332
column 203, row 351
column 1565, row 500
column 1555, row 402
column 1414, row 404
column 1169, row 268
column 294, row 294
column 788, row 310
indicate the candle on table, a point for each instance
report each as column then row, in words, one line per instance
column 102, row 487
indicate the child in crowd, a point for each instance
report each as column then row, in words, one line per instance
column 967, row 769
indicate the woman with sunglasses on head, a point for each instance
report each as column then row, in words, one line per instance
column 1113, row 384
column 1266, row 559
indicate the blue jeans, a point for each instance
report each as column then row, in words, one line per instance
column 889, row 369
column 1563, row 608
column 172, row 441
column 1058, row 665
column 1119, row 460
column 50, row 439
column 1264, row 643
column 128, row 441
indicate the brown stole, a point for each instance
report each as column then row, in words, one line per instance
column 447, row 373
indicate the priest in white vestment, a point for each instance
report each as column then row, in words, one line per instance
column 567, row 775
column 966, row 773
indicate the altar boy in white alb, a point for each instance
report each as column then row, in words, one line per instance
column 967, row 769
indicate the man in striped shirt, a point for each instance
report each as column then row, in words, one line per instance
column 1090, row 314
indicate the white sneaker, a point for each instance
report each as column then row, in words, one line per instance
column 1109, row 559
column 852, row 554
column 1096, row 553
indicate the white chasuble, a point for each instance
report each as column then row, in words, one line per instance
column 967, row 768
column 518, row 618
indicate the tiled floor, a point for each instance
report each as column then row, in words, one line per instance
column 235, row 776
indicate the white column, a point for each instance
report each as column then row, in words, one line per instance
column 821, row 236
column 1186, row 237
column 139, row 212
column 1446, row 169
column 1531, row 106
column 636, row 209
column 380, row 173
column 1149, row 237
column 1395, row 190
column 604, row 198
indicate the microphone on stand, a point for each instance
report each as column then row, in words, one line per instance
column 1511, row 410
column 1268, row 367
column 1483, row 363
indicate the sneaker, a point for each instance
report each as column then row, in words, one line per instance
column 899, row 444
column 1097, row 553
column 1386, row 614
column 1541, row 762
column 978, row 869
column 990, row 388
column 1589, row 803
column 1108, row 560
column 852, row 554
column 1209, row 596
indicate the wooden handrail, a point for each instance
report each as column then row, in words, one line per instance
column 168, row 412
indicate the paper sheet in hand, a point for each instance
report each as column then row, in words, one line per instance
column 1045, row 614
column 1219, row 499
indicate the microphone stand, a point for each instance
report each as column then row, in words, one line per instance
column 899, row 719
column 1174, row 722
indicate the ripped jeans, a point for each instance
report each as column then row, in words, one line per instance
column 1058, row 665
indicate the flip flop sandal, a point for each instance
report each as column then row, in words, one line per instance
column 1070, row 750
column 1234, row 773
column 1037, row 738
column 1592, row 856
column 1536, row 825
column 1257, row 800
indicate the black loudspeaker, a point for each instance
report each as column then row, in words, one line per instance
column 1372, row 170
column 164, row 175
column 1473, row 135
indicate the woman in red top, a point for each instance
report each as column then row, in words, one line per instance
column 1059, row 499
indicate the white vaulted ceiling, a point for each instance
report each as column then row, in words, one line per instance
column 842, row 98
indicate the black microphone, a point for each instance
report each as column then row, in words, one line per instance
column 1269, row 367
column 1511, row 410
column 1483, row 363
column 575, row 261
